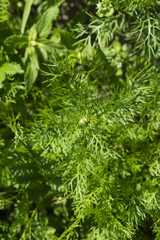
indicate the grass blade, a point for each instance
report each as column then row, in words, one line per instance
column 26, row 14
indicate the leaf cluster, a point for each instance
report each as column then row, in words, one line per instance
column 80, row 120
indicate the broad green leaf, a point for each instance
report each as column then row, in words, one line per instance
column 16, row 41
column 11, row 68
column 32, row 33
column 30, row 76
column 26, row 14
column 8, row 69
column 33, row 56
column 26, row 55
column 43, row 52
column 2, row 77
column 44, row 25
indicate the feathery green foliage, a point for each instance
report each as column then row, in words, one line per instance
column 80, row 121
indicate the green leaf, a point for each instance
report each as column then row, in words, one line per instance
column 16, row 41
column 11, row 68
column 44, row 25
column 43, row 52
column 8, row 69
column 30, row 76
column 66, row 38
column 26, row 14
column 3, row 10
column 32, row 33
column 2, row 77
column 33, row 56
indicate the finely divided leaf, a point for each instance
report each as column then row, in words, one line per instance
column 16, row 41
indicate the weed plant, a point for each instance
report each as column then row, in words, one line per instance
column 79, row 120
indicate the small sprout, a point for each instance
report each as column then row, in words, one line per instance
column 33, row 43
column 83, row 121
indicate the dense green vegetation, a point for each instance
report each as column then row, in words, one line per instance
column 79, row 120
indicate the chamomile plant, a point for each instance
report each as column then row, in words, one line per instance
column 80, row 120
